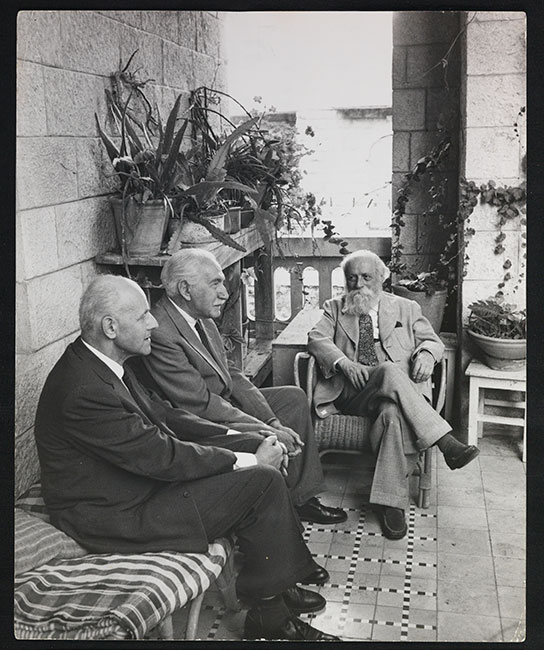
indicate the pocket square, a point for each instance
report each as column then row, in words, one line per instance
column 398, row 324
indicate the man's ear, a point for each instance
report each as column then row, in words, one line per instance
column 109, row 327
column 184, row 290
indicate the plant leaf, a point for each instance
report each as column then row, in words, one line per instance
column 216, row 168
column 171, row 125
column 112, row 150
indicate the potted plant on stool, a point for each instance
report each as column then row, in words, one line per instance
column 499, row 330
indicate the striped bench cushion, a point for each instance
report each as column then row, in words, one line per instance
column 37, row 542
column 98, row 596
column 111, row 596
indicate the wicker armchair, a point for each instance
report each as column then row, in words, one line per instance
column 346, row 433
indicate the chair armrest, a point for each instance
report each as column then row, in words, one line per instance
column 439, row 379
column 302, row 358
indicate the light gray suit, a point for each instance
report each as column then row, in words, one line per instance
column 404, row 421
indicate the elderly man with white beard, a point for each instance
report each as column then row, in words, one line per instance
column 376, row 353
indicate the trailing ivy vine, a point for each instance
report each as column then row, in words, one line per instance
column 510, row 202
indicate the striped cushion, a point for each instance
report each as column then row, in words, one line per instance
column 32, row 501
column 111, row 596
column 37, row 542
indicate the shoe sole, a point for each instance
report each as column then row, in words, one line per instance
column 317, row 608
column 314, row 582
column 466, row 459
column 312, row 520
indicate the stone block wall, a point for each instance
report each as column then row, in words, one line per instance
column 425, row 99
column 64, row 59
column 494, row 94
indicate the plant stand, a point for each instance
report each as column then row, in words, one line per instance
column 482, row 377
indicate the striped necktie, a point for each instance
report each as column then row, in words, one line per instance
column 366, row 351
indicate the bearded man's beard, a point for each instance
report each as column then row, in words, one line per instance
column 359, row 301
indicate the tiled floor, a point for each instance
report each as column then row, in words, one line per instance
column 458, row 575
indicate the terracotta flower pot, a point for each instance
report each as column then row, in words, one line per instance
column 432, row 307
column 501, row 354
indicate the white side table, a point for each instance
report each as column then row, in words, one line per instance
column 482, row 377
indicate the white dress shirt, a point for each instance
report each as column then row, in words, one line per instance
column 243, row 458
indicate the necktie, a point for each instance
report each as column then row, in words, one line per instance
column 138, row 397
column 366, row 353
column 202, row 334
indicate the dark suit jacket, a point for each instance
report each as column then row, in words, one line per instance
column 404, row 331
column 190, row 377
column 115, row 475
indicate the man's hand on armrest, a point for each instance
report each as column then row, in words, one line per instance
column 422, row 366
column 355, row 372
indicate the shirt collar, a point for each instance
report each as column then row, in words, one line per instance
column 115, row 367
column 190, row 319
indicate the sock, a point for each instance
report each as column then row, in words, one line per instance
column 449, row 445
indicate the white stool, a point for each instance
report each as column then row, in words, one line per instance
column 482, row 377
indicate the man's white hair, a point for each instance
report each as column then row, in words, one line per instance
column 105, row 296
column 186, row 265
column 381, row 269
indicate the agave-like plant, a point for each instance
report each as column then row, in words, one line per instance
column 146, row 170
column 201, row 199
column 153, row 166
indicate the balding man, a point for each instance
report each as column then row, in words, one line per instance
column 376, row 353
column 120, row 476
column 189, row 366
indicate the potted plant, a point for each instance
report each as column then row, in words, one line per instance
column 201, row 203
column 499, row 330
column 428, row 290
column 146, row 163
column 265, row 158
column 158, row 180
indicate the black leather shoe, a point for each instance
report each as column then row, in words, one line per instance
column 303, row 601
column 313, row 510
column 393, row 522
column 318, row 577
column 293, row 629
column 462, row 459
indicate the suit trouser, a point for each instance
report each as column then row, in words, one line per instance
column 254, row 503
column 305, row 475
column 404, row 423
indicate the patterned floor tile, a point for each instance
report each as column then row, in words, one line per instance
column 423, row 594
column 389, row 590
